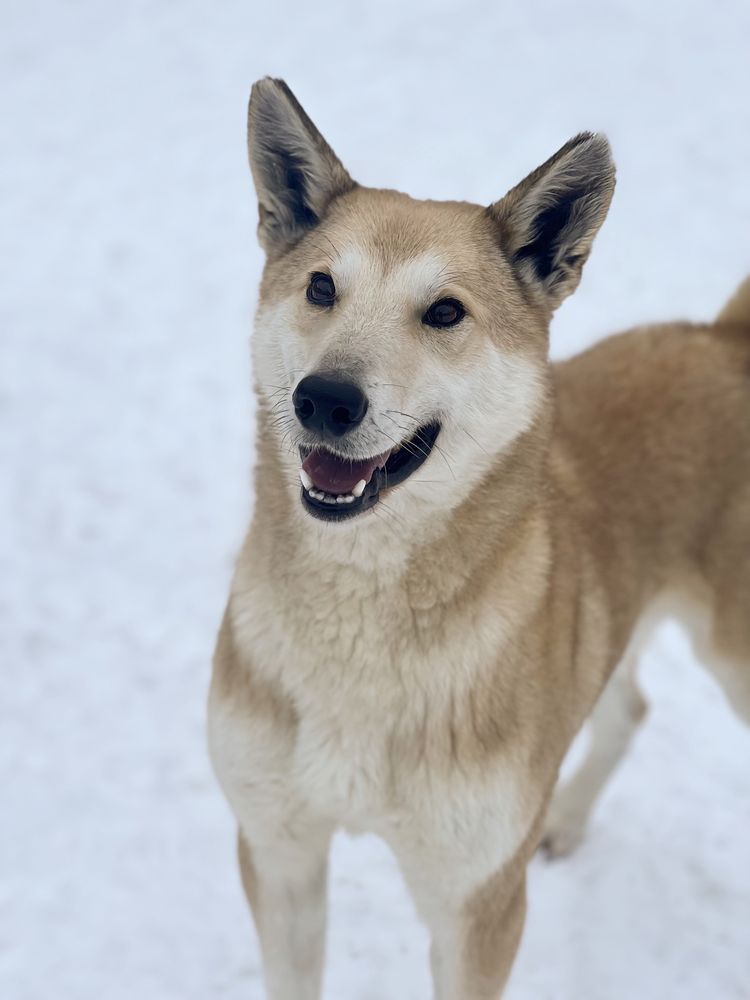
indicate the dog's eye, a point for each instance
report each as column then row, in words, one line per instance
column 321, row 291
column 445, row 312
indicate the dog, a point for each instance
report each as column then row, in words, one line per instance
column 456, row 544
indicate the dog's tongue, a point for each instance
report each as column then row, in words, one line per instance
column 339, row 475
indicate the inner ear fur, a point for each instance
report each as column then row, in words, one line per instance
column 296, row 173
column 548, row 222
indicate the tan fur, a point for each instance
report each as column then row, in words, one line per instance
column 421, row 670
column 737, row 310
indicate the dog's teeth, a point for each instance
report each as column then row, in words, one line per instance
column 359, row 489
column 330, row 498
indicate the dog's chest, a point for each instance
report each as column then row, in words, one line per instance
column 373, row 680
column 342, row 765
column 344, row 668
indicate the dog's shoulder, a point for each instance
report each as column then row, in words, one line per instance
column 237, row 682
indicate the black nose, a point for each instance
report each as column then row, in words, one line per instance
column 326, row 404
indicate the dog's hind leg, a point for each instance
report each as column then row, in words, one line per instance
column 721, row 641
column 615, row 719
column 286, row 888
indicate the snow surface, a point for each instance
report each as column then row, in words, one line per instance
column 129, row 269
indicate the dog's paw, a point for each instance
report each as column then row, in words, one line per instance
column 562, row 835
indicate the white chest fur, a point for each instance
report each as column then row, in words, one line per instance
column 378, row 687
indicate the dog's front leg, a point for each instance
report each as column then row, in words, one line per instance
column 475, row 942
column 474, row 934
column 286, row 886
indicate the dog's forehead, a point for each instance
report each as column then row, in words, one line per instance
column 412, row 246
column 407, row 277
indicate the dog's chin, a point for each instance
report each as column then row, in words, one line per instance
column 337, row 489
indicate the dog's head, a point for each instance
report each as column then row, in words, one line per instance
column 401, row 345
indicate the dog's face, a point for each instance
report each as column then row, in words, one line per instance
column 401, row 346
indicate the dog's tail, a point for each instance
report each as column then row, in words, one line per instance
column 737, row 310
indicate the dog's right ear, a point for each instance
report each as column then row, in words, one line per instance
column 296, row 172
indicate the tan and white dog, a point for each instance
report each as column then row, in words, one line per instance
column 454, row 542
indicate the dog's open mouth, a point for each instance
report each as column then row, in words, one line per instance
column 335, row 488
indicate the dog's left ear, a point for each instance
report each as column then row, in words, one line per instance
column 296, row 172
column 548, row 222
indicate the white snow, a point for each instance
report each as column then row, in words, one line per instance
column 129, row 267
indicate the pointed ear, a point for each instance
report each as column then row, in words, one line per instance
column 548, row 222
column 296, row 172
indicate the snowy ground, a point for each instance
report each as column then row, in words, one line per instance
column 129, row 266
